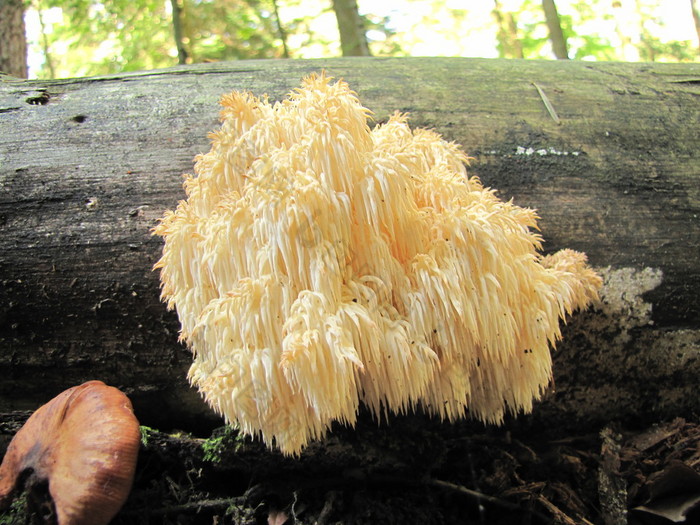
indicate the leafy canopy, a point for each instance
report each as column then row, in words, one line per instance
column 94, row 37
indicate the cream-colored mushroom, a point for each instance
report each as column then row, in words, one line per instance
column 318, row 264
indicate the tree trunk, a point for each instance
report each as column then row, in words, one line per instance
column 280, row 29
column 696, row 19
column 87, row 166
column 353, row 40
column 13, row 41
column 177, row 32
column 508, row 41
column 556, row 35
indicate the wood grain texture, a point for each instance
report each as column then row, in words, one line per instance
column 88, row 165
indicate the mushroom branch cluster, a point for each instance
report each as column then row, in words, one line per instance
column 318, row 264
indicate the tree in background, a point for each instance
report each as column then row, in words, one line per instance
column 509, row 44
column 230, row 29
column 651, row 48
column 638, row 25
column 540, row 30
column 696, row 19
column 88, row 37
column 177, row 32
column 556, row 35
column 282, row 32
column 13, row 41
column 91, row 37
column 581, row 27
column 353, row 39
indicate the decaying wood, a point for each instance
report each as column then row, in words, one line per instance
column 607, row 153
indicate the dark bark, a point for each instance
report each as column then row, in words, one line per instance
column 13, row 40
column 87, row 166
column 556, row 35
column 353, row 40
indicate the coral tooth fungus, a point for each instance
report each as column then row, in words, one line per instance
column 318, row 264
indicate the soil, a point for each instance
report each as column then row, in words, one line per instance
column 413, row 469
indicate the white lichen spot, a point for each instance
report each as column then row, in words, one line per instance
column 520, row 150
column 621, row 296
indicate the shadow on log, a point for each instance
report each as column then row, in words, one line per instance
column 607, row 153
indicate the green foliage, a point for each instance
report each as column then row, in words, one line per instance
column 230, row 29
column 586, row 45
column 97, row 37
column 100, row 38
column 380, row 35
column 596, row 30
column 533, row 30
column 654, row 50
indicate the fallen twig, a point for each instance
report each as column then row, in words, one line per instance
column 547, row 104
column 192, row 506
column 555, row 511
column 474, row 494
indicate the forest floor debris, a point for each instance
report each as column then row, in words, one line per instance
column 417, row 470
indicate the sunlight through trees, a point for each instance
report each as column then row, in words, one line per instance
column 91, row 37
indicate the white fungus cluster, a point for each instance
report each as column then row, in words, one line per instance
column 318, row 264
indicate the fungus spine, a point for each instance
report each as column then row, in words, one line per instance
column 318, row 264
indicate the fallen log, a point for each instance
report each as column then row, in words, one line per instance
column 607, row 154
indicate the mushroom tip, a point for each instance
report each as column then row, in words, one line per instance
column 318, row 264
column 83, row 444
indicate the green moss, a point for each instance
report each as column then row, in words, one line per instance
column 224, row 441
column 16, row 513
column 146, row 433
